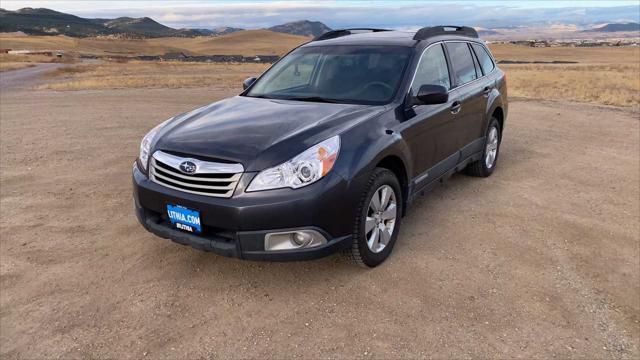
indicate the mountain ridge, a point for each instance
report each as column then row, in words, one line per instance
column 301, row 27
column 42, row 21
column 616, row 27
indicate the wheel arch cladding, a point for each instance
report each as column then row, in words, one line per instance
column 395, row 164
column 498, row 113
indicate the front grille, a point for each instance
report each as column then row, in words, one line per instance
column 210, row 178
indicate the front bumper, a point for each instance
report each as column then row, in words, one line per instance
column 236, row 226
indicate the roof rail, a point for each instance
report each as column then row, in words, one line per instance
column 344, row 32
column 427, row 32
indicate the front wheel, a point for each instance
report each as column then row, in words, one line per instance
column 487, row 164
column 378, row 220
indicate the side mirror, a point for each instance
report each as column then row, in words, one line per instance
column 432, row 94
column 248, row 82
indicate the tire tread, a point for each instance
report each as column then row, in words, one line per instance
column 478, row 168
column 353, row 253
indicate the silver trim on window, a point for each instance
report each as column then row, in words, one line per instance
column 164, row 169
column 451, row 41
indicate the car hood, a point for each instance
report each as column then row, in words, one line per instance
column 258, row 133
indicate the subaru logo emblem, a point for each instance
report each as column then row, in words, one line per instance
column 188, row 167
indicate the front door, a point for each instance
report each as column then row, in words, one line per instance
column 431, row 132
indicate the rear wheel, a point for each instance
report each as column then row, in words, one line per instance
column 378, row 220
column 487, row 164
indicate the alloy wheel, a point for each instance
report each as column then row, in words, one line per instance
column 381, row 218
column 492, row 148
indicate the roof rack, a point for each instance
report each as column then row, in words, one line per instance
column 427, row 32
column 344, row 32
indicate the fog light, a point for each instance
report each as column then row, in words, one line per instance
column 290, row 240
column 301, row 238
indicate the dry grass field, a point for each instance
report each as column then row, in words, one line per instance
column 613, row 84
column 139, row 74
column 603, row 75
column 250, row 42
column 24, row 42
column 584, row 55
column 596, row 79
column 247, row 43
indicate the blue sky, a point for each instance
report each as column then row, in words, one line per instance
column 392, row 14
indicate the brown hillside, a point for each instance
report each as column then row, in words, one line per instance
column 61, row 42
column 249, row 42
column 93, row 46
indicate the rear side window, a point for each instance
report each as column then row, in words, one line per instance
column 483, row 56
column 462, row 62
column 432, row 70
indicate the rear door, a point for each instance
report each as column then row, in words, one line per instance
column 430, row 133
column 487, row 82
column 468, row 94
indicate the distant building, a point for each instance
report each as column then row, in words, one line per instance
column 149, row 57
column 216, row 58
column 35, row 52
column 174, row 56
column 266, row 58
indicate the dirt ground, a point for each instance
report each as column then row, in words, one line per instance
column 540, row 260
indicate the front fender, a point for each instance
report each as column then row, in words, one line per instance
column 362, row 152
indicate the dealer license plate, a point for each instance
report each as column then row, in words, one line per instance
column 184, row 219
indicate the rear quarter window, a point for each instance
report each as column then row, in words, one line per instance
column 483, row 56
column 462, row 62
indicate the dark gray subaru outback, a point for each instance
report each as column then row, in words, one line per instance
column 325, row 151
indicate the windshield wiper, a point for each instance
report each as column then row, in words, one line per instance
column 314, row 99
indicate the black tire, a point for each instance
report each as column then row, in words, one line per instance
column 479, row 168
column 360, row 252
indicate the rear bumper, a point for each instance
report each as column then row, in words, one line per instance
column 236, row 226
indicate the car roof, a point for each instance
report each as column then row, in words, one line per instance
column 398, row 38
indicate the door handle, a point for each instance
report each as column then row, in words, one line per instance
column 486, row 91
column 455, row 107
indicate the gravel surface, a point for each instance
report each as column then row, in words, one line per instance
column 540, row 260
column 24, row 78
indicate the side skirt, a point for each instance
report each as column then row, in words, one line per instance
column 418, row 190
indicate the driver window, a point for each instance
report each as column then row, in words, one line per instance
column 432, row 70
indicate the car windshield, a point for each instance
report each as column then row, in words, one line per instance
column 341, row 74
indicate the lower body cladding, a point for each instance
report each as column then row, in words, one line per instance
column 273, row 225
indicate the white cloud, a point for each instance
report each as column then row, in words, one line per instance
column 399, row 14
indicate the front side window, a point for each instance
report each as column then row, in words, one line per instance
column 432, row 70
column 483, row 56
column 343, row 74
column 462, row 62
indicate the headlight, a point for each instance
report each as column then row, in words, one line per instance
column 304, row 169
column 145, row 145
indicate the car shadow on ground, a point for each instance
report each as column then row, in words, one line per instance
column 179, row 259
column 333, row 266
